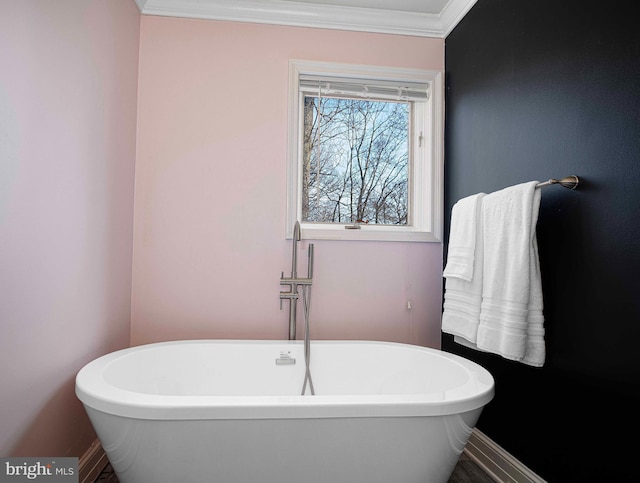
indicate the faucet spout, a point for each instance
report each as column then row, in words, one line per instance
column 296, row 231
column 294, row 255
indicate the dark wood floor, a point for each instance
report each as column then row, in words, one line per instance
column 107, row 476
column 466, row 471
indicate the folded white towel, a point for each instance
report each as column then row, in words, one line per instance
column 511, row 320
column 463, row 285
column 462, row 238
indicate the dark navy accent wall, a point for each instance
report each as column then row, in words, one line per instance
column 546, row 89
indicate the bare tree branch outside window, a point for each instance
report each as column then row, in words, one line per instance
column 355, row 166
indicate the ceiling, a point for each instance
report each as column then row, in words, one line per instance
column 425, row 18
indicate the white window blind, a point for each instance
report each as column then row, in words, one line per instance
column 395, row 90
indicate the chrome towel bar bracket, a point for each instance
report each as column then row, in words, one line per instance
column 570, row 182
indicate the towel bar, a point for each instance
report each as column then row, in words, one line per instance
column 570, row 182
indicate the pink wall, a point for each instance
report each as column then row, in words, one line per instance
column 209, row 241
column 68, row 92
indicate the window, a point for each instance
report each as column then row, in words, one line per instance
column 365, row 152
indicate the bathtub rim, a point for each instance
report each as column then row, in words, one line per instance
column 120, row 402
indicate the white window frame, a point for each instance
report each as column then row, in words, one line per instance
column 426, row 167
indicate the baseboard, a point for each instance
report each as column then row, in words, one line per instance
column 496, row 462
column 92, row 463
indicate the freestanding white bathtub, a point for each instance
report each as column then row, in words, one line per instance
column 224, row 412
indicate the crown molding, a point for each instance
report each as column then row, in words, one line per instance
column 453, row 13
column 280, row 12
column 141, row 4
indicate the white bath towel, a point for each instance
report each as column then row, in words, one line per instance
column 511, row 320
column 463, row 273
column 462, row 238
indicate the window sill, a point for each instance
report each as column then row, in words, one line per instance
column 312, row 231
